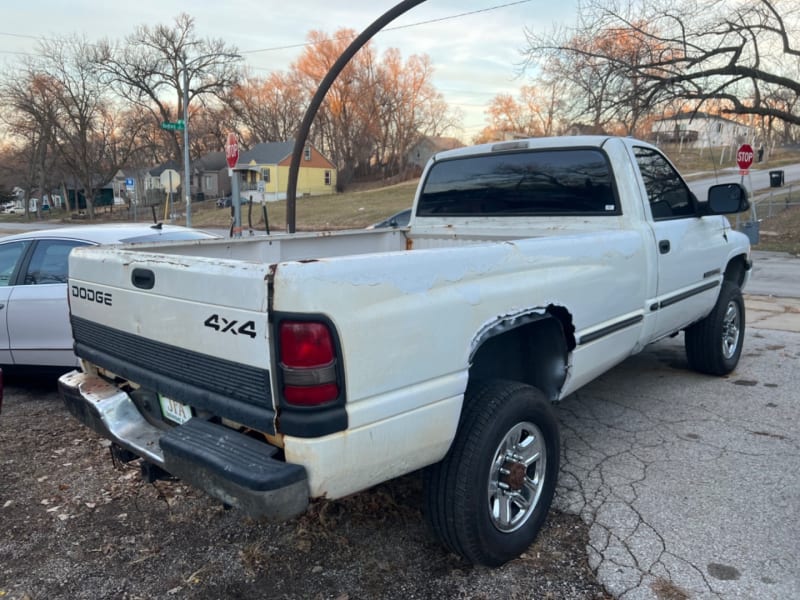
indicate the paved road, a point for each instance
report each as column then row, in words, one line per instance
column 775, row 274
column 690, row 484
column 758, row 179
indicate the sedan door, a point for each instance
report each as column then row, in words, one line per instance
column 12, row 255
column 37, row 312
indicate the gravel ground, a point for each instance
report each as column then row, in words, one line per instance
column 73, row 525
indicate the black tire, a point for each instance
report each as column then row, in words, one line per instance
column 714, row 345
column 462, row 490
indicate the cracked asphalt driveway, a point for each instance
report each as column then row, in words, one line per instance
column 690, row 484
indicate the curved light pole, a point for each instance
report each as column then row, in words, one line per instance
column 302, row 133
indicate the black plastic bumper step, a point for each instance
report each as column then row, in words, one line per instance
column 229, row 455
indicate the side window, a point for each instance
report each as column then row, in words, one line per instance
column 668, row 195
column 49, row 262
column 10, row 256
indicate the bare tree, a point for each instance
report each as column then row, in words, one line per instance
column 741, row 55
column 597, row 60
column 268, row 109
column 408, row 107
column 31, row 116
column 94, row 137
column 147, row 70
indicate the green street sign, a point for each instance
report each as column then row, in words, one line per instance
column 177, row 126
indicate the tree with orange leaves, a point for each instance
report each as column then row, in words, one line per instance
column 377, row 108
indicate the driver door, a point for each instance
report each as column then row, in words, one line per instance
column 691, row 249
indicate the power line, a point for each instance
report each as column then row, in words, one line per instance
column 20, row 35
column 304, row 44
column 466, row 14
column 18, row 53
column 417, row 24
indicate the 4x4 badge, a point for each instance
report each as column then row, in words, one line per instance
column 224, row 325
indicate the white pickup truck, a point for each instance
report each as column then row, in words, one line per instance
column 268, row 371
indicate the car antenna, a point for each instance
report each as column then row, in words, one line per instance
column 156, row 222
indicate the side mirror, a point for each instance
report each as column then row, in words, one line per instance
column 726, row 199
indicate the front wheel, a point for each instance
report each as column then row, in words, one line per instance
column 714, row 344
column 488, row 498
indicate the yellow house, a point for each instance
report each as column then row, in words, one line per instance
column 264, row 171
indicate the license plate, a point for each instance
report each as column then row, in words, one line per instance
column 174, row 410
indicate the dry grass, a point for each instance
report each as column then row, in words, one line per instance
column 338, row 211
column 781, row 231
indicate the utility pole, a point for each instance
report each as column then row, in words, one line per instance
column 187, row 182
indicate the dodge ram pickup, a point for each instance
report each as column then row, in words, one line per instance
column 272, row 370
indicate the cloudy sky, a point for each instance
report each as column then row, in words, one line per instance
column 473, row 44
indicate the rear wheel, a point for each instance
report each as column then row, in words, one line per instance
column 714, row 344
column 488, row 498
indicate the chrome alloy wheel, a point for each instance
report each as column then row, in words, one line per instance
column 731, row 330
column 516, row 478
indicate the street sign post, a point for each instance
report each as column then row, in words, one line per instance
column 170, row 180
column 232, row 157
column 744, row 158
column 170, row 126
column 232, row 151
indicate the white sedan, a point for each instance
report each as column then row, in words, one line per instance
column 34, row 314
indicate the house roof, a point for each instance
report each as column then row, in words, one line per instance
column 438, row 143
column 690, row 116
column 170, row 164
column 267, row 153
column 213, row 161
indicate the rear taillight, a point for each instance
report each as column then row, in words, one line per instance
column 307, row 363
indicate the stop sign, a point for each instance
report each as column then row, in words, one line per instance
column 744, row 156
column 232, row 151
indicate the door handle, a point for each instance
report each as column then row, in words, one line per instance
column 663, row 246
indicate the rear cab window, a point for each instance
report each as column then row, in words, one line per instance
column 530, row 182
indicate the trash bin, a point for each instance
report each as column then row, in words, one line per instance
column 775, row 178
column 751, row 230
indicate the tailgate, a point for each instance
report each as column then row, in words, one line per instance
column 193, row 329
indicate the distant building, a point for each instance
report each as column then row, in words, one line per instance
column 698, row 129
column 210, row 177
column 154, row 190
column 427, row 146
column 583, row 129
column 264, row 171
